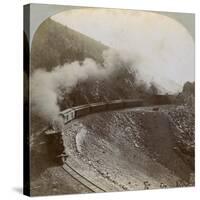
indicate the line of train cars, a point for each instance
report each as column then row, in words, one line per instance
column 79, row 111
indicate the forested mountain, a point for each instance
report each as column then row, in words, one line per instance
column 54, row 44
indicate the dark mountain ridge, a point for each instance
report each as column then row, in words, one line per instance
column 54, row 44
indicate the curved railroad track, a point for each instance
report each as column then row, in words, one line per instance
column 81, row 179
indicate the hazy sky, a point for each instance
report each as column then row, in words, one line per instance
column 162, row 48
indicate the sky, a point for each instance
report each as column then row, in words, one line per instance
column 162, row 49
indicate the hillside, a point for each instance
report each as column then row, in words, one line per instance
column 188, row 94
column 54, row 44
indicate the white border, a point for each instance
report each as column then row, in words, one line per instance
column 11, row 68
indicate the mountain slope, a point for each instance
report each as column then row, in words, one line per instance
column 54, row 44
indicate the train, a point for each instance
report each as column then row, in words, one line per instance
column 54, row 137
column 82, row 110
column 79, row 111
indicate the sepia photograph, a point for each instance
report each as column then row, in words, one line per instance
column 109, row 100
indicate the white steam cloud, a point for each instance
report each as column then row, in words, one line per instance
column 48, row 87
column 162, row 49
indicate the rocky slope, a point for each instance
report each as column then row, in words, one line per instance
column 131, row 148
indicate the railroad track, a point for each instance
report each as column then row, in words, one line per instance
column 81, row 179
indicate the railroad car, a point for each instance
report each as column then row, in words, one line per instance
column 115, row 104
column 158, row 100
column 132, row 103
column 81, row 110
column 68, row 115
column 98, row 107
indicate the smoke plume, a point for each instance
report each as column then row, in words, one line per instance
column 48, row 87
column 161, row 46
